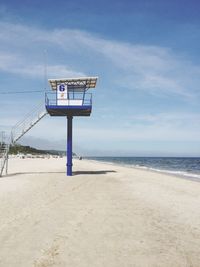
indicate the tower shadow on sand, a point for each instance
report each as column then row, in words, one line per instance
column 93, row 172
column 61, row 172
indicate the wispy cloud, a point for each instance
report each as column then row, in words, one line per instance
column 149, row 68
column 171, row 118
column 172, row 126
column 154, row 69
column 15, row 64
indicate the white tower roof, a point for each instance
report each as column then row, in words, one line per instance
column 77, row 84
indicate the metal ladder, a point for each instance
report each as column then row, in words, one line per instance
column 4, row 149
column 22, row 127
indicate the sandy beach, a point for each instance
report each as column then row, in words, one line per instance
column 104, row 215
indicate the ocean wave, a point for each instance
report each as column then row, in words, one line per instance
column 180, row 167
column 176, row 173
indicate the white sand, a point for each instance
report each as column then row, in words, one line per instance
column 104, row 215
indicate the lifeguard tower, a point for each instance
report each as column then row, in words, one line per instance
column 70, row 98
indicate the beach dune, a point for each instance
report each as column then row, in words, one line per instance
column 104, row 215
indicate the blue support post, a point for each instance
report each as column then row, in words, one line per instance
column 69, row 145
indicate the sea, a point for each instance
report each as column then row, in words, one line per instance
column 180, row 166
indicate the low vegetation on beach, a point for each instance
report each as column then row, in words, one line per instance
column 19, row 149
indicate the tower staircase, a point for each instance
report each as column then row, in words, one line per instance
column 22, row 127
column 31, row 119
column 4, row 149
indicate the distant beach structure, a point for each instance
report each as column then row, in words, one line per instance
column 70, row 99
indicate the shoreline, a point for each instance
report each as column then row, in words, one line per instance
column 178, row 174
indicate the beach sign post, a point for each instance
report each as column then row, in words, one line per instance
column 69, row 98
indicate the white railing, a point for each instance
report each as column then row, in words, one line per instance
column 4, row 149
column 27, row 123
column 18, row 131
column 73, row 99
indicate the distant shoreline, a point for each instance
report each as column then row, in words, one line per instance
column 177, row 173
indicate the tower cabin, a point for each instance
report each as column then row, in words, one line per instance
column 69, row 97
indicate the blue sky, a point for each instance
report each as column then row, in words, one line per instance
column 146, row 54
